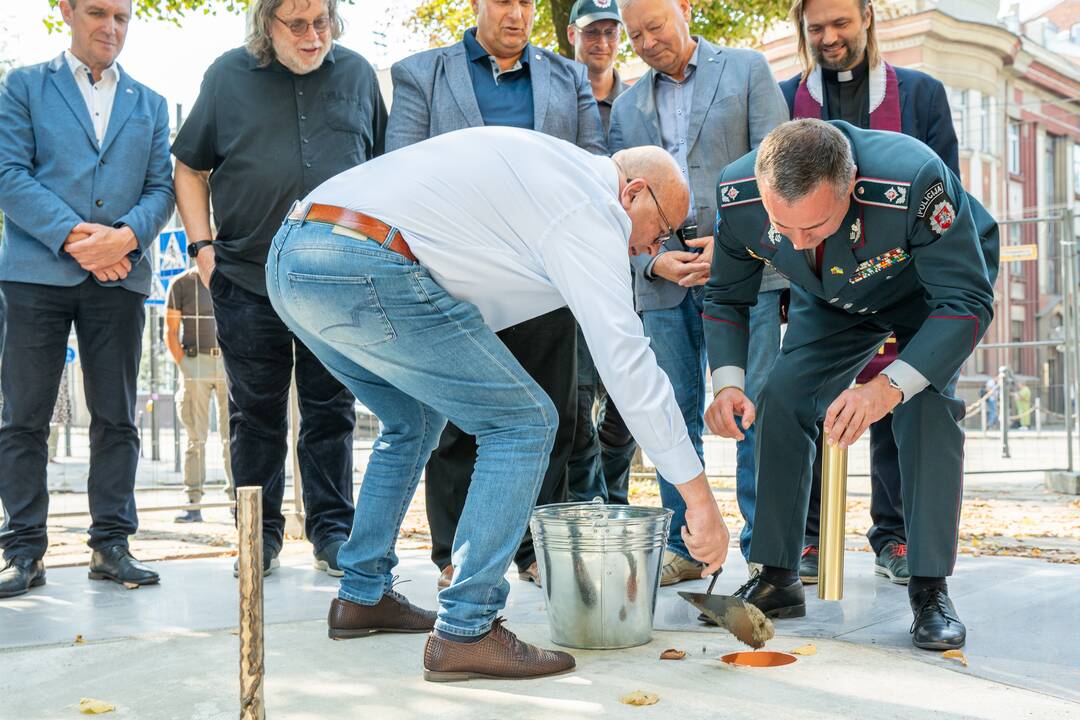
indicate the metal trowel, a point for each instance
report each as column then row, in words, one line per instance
column 742, row 619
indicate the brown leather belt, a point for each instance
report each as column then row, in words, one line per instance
column 366, row 225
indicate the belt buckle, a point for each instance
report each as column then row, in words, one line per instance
column 215, row 352
column 298, row 212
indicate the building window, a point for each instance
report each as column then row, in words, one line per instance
column 961, row 119
column 984, row 127
column 1014, row 148
column 1076, row 168
column 1050, row 184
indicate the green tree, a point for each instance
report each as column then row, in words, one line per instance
column 172, row 11
column 729, row 22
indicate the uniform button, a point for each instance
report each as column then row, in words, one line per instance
column 847, row 306
column 307, row 165
column 303, row 117
column 301, row 93
column 305, row 141
column 834, row 300
column 99, row 202
column 860, row 191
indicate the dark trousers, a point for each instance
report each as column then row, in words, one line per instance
column 258, row 350
column 546, row 348
column 108, row 323
column 886, row 497
column 930, row 443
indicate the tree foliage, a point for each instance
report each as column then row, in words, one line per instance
column 728, row 22
column 173, row 11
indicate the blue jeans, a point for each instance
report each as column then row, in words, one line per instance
column 678, row 340
column 764, row 348
column 415, row 356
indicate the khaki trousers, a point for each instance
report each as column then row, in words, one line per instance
column 204, row 376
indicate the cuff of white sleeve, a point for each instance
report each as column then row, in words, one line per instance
column 728, row 376
column 648, row 268
column 679, row 464
column 910, row 380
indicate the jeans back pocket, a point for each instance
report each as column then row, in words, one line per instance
column 339, row 309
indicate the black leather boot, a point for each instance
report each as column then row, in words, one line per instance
column 114, row 562
column 21, row 573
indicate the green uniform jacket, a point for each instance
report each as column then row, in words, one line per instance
column 914, row 250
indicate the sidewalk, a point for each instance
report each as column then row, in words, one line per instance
column 169, row 652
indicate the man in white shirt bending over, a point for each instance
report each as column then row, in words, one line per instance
column 398, row 273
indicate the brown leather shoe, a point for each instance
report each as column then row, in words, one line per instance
column 499, row 656
column 392, row 614
column 445, row 577
column 532, row 574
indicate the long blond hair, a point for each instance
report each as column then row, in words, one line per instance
column 806, row 58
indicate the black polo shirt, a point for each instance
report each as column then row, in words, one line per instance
column 270, row 137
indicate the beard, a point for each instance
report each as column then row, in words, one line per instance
column 851, row 56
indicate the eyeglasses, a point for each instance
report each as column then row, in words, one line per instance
column 658, row 242
column 611, row 34
column 300, row 27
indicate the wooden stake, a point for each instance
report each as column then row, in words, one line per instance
column 249, row 515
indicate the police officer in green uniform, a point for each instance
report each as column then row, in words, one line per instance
column 877, row 236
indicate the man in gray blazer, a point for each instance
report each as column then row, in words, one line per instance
column 494, row 76
column 707, row 106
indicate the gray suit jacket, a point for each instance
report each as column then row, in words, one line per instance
column 736, row 103
column 433, row 94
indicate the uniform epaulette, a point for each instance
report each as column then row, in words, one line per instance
column 882, row 193
column 738, row 192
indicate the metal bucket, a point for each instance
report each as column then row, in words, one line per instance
column 600, row 568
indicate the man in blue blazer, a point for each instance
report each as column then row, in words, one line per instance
column 85, row 188
column 494, row 76
column 844, row 77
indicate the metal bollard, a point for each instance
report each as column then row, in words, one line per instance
column 1004, row 410
column 249, row 518
column 1038, row 415
column 833, row 523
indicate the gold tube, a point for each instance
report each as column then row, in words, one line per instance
column 833, row 521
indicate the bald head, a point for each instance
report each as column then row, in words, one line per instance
column 651, row 168
column 657, row 168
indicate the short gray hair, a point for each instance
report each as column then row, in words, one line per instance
column 262, row 17
column 799, row 155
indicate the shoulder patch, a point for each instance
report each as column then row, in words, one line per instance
column 882, row 193
column 937, row 209
column 738, row 192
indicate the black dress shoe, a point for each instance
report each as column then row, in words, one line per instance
column 775, row 602
column 21, row 573
column 115, row 563
column 936, row 625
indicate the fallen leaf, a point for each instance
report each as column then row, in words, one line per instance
column 808, row 649
column 672, row 654
column 90, row 706
column 79, row 640
column 955, row 655
column 131, row 586
column 640, row 697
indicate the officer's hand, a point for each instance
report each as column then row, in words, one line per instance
column 705, row 533
column 700, row 276
column 857, row 409
column 674, row 265
column 206, row 263
column 720, row 416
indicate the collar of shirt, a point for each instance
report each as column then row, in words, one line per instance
column 617, row 89
column 276, row 66
column 859, row 72
column 691, row 67
column 110, row 74
column 476, row 53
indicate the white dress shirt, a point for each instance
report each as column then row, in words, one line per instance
column 99, row 96
column 519, row 224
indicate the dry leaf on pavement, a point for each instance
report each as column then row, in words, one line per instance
column 672, row 654
column 955, row 655
column 640, row 697
column 131, row 586
column 90, row 706
column 808, row 649
column 79, row 640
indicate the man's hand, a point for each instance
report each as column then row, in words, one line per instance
column 858, row 408
column 113, row 273
column 675, row 265
column 103, row 247
column 720, row 416
column 703, row 266
column 206, row 262
column 705, row 534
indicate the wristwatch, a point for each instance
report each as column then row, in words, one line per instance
column 894, row 385
column 194, row 248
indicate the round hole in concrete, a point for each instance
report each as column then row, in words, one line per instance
column 758, row 659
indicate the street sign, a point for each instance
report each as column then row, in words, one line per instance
column 1019, row 253
column 172, row 253
column 159, row 288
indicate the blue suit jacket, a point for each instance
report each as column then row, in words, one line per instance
column 924, row 112
column 54, row 176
